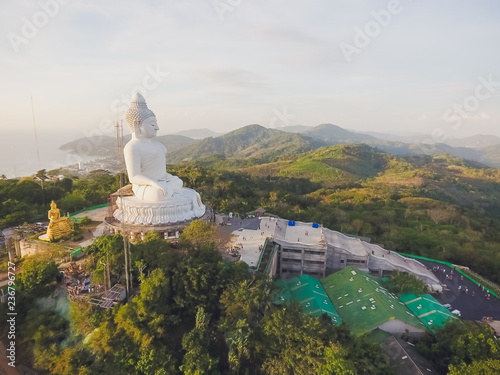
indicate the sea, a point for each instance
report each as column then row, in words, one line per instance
column 21, row 155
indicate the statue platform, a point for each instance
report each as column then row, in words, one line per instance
column 182, row 206
column 166, row 231
column 134, row 217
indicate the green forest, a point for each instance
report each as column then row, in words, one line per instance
column 192, row 313
column 440, row 207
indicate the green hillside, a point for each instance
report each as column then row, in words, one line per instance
column 440, row 206
column 337, row 164
column 335, row 135
column 249, row 142
column 262, row 145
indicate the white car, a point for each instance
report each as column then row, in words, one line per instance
column 456, row 312
column 448, row 306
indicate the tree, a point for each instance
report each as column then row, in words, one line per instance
column 141, row 266
column 291, row 343
column 197, row 281
column 245, row 303
column 245, row 300
column 460, row 344
column 486, row 367
column 72, row 202
column 402, row 282
column 239, row 342
column 66, row 184
column 336, row 362
column 199, row 233
column 105, row 251
column 37, row 272
column 27, row 191
column 154, row 253
column 135, row 338
column 196, row 343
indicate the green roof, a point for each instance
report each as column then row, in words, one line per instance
column 427, row 309
column 363, row 303
column 309, row 293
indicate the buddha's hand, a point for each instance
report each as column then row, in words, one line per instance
column 156, row 186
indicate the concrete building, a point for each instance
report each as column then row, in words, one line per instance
column 309, row 248
column 301, row 249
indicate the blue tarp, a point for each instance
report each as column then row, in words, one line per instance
column 291, row 223
column 315, row 225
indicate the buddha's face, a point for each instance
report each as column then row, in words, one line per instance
column 148, row 128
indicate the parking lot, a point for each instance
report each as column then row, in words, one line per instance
column 464, row 295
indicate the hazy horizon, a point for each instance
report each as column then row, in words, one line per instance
column 19, row 157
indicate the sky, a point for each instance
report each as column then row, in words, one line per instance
column 429, row 67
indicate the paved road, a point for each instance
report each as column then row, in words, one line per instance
column 470, row 299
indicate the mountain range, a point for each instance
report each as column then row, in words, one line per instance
column 105, row 146
column 263, row 145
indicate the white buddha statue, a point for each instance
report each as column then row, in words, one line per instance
column 159, row 197
column 145, row 158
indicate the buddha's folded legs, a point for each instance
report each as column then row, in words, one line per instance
column 151, row 194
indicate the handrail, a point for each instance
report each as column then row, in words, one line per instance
column 256, row 267
column 273, row 251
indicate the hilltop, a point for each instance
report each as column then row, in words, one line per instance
column 443, row 177
column 250, row 142
column 332, row 165
column 264, row 145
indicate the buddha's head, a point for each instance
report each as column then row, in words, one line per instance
column 53, row 205
column 141, row 120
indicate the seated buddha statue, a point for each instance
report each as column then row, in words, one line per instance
column 145, row 158
column 159, row 197
column 59, row 226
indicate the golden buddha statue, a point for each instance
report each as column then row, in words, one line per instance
column 59, row 226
